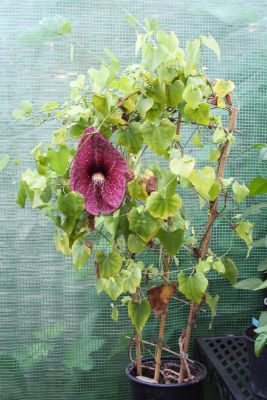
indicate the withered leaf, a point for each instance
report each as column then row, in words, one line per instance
column 159, row 297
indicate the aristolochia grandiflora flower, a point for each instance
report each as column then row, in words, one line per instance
column 98, row 173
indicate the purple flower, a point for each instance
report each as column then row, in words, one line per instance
column 98, row 173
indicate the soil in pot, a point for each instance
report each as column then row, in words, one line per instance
column 258, row 366
column 168, row 387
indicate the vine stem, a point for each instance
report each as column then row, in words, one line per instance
column 213, row 214
column 162, row 323
column 138, row 353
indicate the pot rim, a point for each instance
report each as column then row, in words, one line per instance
column 163, row 385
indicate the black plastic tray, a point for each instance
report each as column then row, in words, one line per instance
column 226, row 359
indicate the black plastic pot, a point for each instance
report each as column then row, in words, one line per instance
column 258, row 367
column 150, row 391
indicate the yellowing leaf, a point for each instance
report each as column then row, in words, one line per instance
column 214, row 155
column 244, row 231
column 200, row 115
column 192, row 96
column 222, row 88
column 202, row 180
column 192, row 57
column 240, row 191
column 212, row 44
column 162, row 206
column 182, row 166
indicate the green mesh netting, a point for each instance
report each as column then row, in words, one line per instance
column 52, row 321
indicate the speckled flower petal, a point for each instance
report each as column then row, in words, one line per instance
column 96, row 155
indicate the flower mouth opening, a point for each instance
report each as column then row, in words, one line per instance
column 98, row 175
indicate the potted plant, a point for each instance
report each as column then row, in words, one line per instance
column 92, row 181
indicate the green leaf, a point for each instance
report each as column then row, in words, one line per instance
column 219, row 136
column 114, row 287
column 174, row 93
column 230, row 273
column 59, row 160
column 214, row 191
column 248, row 284
column 144, row 104
column 139, row 314
column 4, row 160
column 262, row 242
column 152, row 57
column 80, row 253
column 49, row 28
column 171, row 241
column 48, row 107
column 22, row 194
column 202, row 180
column 23, row 111
column 263, row 319
column 135, row 244
column 115, row 313
column 71, row 206
column 200, row 115
column 263, row 285
column 77, row 129
column 143, row 224
column 258, row 186
column 192, row 96
column 193, row 57
column 244, row 231
column 203, row 266
column 169, row 40
column 222, row 88
column 157, row 93
column 109, row 265
column 166, row 74
column 132, row 276
column 34, row 180
column 62, row 242
column 240, row 191
column 262, row 266
column 162, row 206
column 59, row 136
column 260, row 343
column 196, row 139
column 212, row 44
column 214, row 155
column 158, row 136
column 212, row 302
column 218, row 266
column 131, row 137
column 99, row 78
column 167, row 181
column 194, row 286
column 111, row 223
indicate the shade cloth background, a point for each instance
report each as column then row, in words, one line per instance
column 48, row 312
